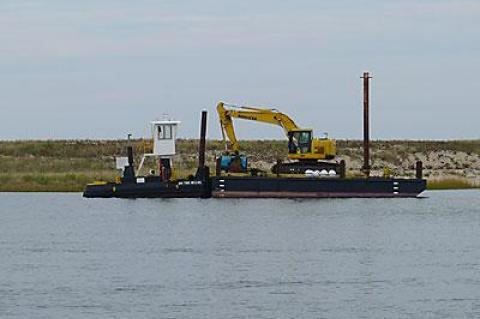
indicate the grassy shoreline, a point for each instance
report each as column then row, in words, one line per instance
column 450, row 184
column 67, row 166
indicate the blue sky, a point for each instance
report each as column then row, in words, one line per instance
column 100, row 69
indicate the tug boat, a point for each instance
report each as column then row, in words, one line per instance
column 163, row 185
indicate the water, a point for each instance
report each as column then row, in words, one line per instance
column 62, row 256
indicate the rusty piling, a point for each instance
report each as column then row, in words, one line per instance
column 201, row 143
column 366, row 124
column 203, row 172
column 419, row 170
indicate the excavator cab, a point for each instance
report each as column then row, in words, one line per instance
column 300, row 142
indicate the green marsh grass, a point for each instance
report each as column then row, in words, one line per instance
column 449, row 183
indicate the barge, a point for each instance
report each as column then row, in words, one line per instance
column 300, row 187
column 332, row 184
column 203, row 185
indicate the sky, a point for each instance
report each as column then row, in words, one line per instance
column 104, row 68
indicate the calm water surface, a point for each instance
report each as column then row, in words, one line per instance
column 62, row 256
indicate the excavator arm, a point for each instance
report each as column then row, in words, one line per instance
column 270, row 116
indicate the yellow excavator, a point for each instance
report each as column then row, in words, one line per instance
column 305, row 151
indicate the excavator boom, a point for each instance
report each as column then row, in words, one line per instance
column 270, row 116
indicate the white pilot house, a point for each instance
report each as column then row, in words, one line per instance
column 164, row 133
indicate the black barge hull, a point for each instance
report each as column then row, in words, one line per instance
column 149, row 189
column 272, row 187
column 261, row 187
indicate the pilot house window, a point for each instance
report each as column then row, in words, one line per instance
column 165, row 132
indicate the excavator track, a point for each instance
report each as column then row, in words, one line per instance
column 302, row 166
